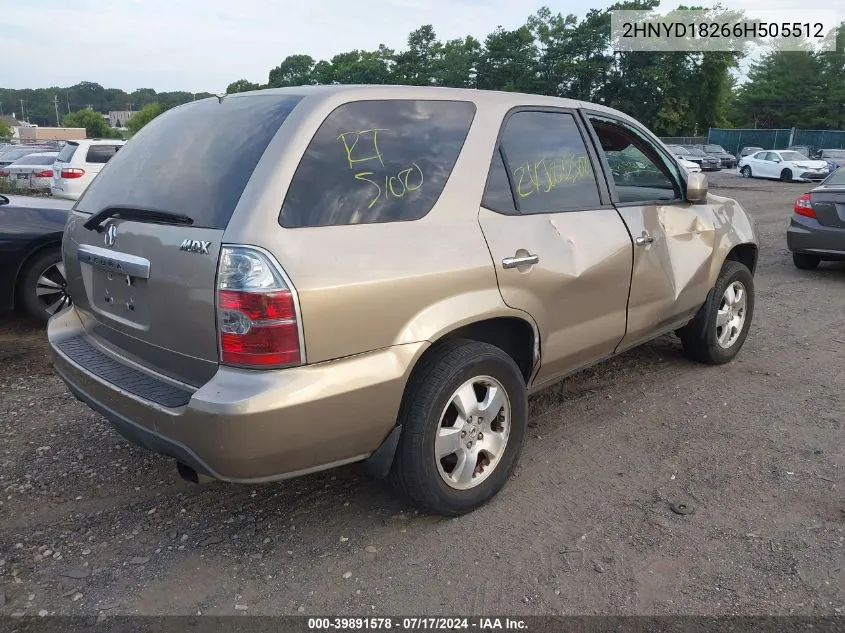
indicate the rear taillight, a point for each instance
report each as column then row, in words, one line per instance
column 804, row 206
column 72, row 172
column 257, row 316
column 44, row 173
column 4, row 173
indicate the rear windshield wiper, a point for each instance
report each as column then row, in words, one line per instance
column 135, row 213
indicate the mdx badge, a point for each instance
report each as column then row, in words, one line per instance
column 195, row 246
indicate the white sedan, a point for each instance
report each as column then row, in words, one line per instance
column 787, row 165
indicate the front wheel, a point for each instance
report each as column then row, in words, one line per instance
column 720, row 327
column 746, row 172
column 463, row 420
column 786, row 175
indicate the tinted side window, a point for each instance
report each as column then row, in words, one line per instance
column 640, row 172
column 548, row 162
column 497, row 193
column 101, row 153
column 377, row 161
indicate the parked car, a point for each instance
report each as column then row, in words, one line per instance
column 747, row 150
column 726, row 160
column 835, row 158
column 19, row 151
column 783, row 164
column 816, row 231
column 382, row 274
column 33, row 172
column 805, row 150
column 78, row 163
column 31, row 271
column 707, row 162
column 683, row 155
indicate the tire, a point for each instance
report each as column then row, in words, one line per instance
column 41, row 307
column 701, row 336
column 427, row 411
column 786, row 175
column 746, row 172
column 806, row 262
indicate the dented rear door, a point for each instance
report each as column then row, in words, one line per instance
column 561, row 252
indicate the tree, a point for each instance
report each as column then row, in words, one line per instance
column 5, row 130
column 143, row 116
column 417, row 65
column 509, row 61
column 93, row 122
column 241, row 85
column 458, row 63
column 295, row 70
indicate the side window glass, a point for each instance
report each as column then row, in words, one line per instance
column 377, row 161
column 101, row 153
column 548, row 163
column 638, row 169
column 497, row 194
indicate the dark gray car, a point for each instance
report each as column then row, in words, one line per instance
column 816, row 230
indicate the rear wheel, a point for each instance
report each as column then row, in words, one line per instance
column 463, row 421
column 746, row 172
column 42, row 289
column 806, row 262
column 718, row 331
column 786, row 175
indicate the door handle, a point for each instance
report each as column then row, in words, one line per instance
column 513, row 262
column 644, row 239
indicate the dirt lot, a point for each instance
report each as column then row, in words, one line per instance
column 90, row 524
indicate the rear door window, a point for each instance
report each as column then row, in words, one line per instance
column 548, row 163
column 67, row 152
column 194, row 159
column 101, row 153
column 377, row 161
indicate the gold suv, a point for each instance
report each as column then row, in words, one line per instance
column 272, row 283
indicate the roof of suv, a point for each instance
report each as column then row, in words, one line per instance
column 492, row 97
column 91, row 141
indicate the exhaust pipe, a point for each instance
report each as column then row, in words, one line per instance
column 189, row 474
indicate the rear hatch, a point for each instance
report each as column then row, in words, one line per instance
column 829, row 200
column 65, row 156
column 141, row 248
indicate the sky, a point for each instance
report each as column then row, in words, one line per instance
column 203, row 45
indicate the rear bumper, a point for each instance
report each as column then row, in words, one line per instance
column 806, row 235
column 251, row 426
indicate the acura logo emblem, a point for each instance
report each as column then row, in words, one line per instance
column 111, row 233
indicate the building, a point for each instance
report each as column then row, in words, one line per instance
column 118, row 118
column 13, row 123
column 30, row 134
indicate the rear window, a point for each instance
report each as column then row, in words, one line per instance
column 35, row 160
column 67, row 152
column 714, row 148
column 101, row 153
column 377, row 161
column 194, row 159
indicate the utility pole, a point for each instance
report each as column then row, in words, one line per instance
column 1, row 108
column 56, row 104
column 23, row 114
column 67, row 98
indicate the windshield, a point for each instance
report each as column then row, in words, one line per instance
column 792, row 156
column 750, row 150
column 714, row 149
column 694, row 151
column 678, row 151
column 836, row 178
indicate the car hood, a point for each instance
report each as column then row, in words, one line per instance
column 810, row 164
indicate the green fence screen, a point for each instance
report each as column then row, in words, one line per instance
column 734, row 140
column 820, row 139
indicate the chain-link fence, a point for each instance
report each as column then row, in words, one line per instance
column 734, row 140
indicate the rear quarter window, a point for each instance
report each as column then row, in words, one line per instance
column 377, row 161
column 101, row 153
column 836, row 178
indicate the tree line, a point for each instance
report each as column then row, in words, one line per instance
column 675, row 93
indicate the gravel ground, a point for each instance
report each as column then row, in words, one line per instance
column 90, row 524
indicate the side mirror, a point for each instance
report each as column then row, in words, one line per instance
column 696, row 187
